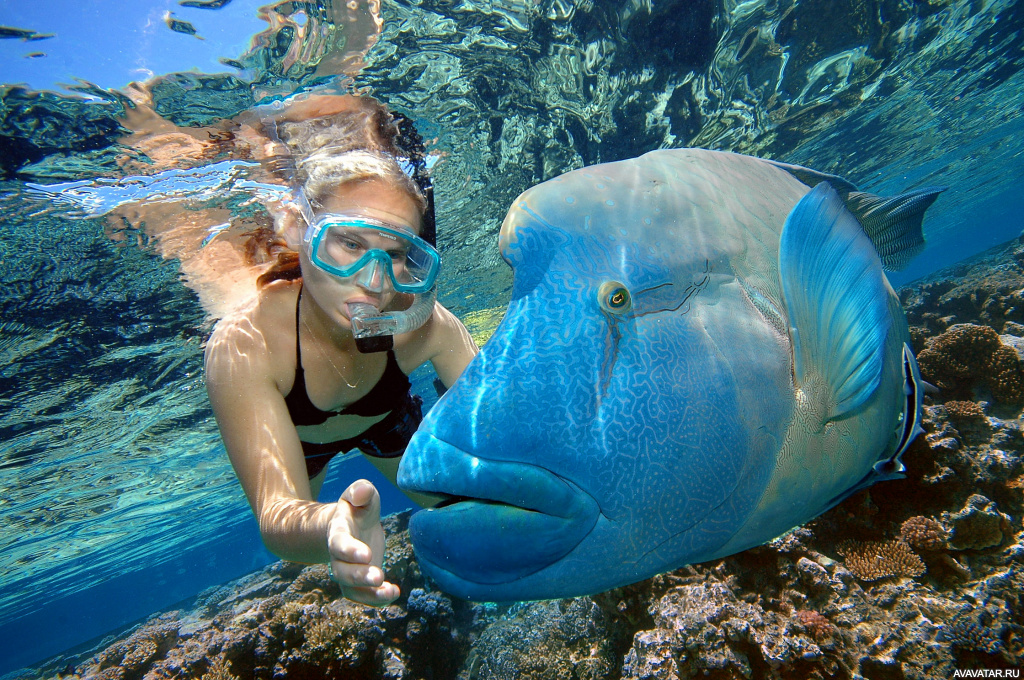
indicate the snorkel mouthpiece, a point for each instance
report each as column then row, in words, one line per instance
column 374, row 330
column 370, row 329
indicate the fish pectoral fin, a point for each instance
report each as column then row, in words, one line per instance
column 836, row 298
column 894, row 224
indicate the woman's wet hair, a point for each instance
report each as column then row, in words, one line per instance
column 325, row 171
column 366, row 142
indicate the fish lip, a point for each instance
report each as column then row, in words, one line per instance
column 503, row 521
column 463, row 476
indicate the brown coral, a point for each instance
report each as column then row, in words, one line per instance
column 817, row 625
column 968, row 354
column 872, row 560
column 139, row 650
column 923, row 533
column 314, row 577
column 964, row 411
column 1006, row 375
column 978, row 525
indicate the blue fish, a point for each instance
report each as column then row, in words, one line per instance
column 702, row 351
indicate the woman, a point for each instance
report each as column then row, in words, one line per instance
column 288, row 383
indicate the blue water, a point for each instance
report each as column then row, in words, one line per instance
column 65, row 622
column 116, row 498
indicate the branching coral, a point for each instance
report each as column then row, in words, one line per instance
column 872, row 560
column 968, row 354
column 967, row 632
column 553, row 639
column 923, row 533
column 325, row 635
column 219, row 669
column 315, row 577
column 141, row 648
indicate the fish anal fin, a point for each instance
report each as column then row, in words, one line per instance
column 836, row 299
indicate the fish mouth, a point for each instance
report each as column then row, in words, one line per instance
column 499, row 522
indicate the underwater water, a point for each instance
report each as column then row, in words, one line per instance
column 117, row 497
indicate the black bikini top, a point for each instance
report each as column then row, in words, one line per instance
column 386, row 395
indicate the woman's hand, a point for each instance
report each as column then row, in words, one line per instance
column 355, row 541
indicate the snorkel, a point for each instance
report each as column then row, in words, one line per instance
column 374, row 330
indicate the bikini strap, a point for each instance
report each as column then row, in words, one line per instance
column 298, row 343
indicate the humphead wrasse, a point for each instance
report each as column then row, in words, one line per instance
column 701, row 352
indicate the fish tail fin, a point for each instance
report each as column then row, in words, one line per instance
column 836, row 297
column 894, row 223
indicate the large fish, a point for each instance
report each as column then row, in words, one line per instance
column 701, row 352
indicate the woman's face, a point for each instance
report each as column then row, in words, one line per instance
column 372, row 198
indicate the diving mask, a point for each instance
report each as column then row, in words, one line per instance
column 368, row 250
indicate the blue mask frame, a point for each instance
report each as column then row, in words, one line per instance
column 426, row 263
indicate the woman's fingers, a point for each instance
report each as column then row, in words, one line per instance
column 363, row 583
column 355, row 542
column 375, row 597
column 357, row 575
column 344, row 547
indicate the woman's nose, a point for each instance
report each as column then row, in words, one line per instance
column 372, row 277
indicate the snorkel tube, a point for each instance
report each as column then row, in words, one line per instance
column 374, row 330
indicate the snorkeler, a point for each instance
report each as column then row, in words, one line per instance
column 318, row 364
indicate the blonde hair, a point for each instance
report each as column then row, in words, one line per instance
column 324, row 171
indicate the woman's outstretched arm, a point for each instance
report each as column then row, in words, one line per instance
column 266, row 454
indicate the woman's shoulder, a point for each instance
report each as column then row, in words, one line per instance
column 261, row 328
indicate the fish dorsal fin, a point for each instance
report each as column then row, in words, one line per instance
column 836, row 298
column 892, row 223
column 813, row 178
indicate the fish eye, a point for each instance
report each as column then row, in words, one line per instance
column 614, row 297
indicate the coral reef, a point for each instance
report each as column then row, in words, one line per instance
column 961, row 412
column 556, row 639
column 978, row 525
column 910, row 579
column 967, row 357
column 872, row 560
column 987, row 290
column 819, row 627
column 923, row 533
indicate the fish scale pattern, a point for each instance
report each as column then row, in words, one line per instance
column 660, row 420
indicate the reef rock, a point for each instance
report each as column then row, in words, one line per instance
column 978, row 525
